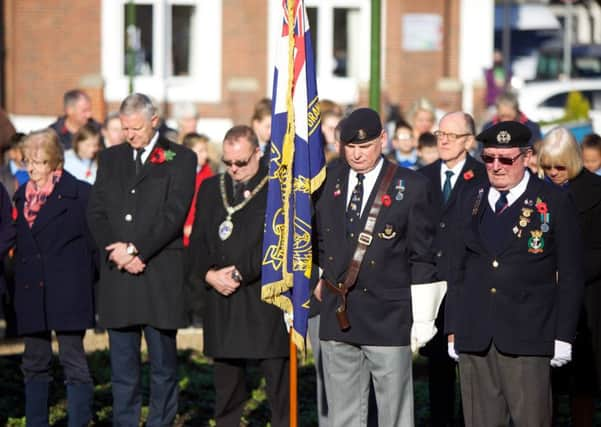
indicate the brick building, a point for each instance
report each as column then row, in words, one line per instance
column 219, row 54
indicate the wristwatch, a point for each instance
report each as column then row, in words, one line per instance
column 131, row 249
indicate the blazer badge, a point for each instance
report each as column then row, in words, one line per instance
column 388, row 232
column 536, row 243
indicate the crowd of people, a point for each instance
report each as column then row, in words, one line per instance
column 481, row 251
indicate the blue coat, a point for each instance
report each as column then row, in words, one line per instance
column 54, row 265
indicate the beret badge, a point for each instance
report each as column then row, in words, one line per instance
column 361, row 134
column 503, row 137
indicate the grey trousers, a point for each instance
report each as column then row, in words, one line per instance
column 347, row 372
column 322, row 403
column 497, row 388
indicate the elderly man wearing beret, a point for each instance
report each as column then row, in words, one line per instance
column 378, row 284
column 515, row 294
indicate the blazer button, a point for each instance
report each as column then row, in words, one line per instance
column 495, row 264
column 330, row 258
column 439, row 254
column 133, row 191
column 372, row 263
column 493, row 290
column 442, row 225
column 364, row 289
column 60, row 196
column 128, row 217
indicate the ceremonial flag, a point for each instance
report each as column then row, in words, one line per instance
column 296, row 170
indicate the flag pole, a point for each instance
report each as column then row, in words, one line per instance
column 374, row 74
column 293, row 383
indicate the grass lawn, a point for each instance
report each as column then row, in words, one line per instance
column 196, row 396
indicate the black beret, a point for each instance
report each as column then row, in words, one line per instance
column 362, row 125
column 505, row 135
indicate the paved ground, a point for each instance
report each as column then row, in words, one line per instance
column 186, row 338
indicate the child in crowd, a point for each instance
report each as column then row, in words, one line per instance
column 199, row 144
column 404, row 153
column 427, row 151
column 591, row 153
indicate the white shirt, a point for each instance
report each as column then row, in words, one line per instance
column 456, row 171
column 82, row 169
column 514, row 193
column 368, row 183
column 148, row 149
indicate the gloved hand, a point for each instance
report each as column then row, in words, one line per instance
column 288, row 320
column 452, row 353
column 562, row 354
column 421, row 333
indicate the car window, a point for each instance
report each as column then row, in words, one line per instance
column 559, row 100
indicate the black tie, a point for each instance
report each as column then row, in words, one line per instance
column 446, row 189
column 138, row 161
column 502, row 202
column 353, row 211
column 238, row 192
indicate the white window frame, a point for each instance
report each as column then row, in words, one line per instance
column 204, row 82
column 344, row 90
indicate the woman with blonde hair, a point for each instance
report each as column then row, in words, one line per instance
column 422, row 117
column 54, row 275
column 560, row 159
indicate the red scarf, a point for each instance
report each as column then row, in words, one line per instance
column 36, row 197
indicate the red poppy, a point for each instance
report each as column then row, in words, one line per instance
column 386, row 200
column 542, row 208
column 468, row 175
column 157, row 156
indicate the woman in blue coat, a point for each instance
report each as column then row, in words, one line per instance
column 54, row 274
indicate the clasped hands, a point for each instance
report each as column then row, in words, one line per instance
column 124, row 261
column 224, row 280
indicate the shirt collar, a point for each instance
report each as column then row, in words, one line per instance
column 372, row 174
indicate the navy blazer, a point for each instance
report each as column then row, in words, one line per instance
column 446, row 215
column 524, row 296
column 379, row 305
column 55, row 265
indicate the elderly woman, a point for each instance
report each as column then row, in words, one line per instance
column 54, row 273
column 560, row 159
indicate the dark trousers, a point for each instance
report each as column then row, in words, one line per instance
column 37, row 357
column 231, row 394
column 125, row 366
column 497, row 388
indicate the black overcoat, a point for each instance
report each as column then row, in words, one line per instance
column 523, row 297
column 379, row 305
column 239, row 325
column 148, row 210
column 54, row 262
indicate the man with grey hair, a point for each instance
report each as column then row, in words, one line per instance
column 187, row 119
column 78, row 112
column 136, row 213
column 508, row 109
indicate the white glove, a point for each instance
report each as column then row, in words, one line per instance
column 288, row 320
column 425, row 302
column 452, row 353
column 562, row 354
column 421, row 333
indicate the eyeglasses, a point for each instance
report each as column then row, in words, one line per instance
column 37, row 163
column 450, row 135
column 237, row 163
column 506, row 161
column 558, row 168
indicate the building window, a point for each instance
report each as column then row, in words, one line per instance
column 166, row 46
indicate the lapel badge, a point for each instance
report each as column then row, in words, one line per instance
column 515, row 229
column 536, row 243
column 526, row 212
column 523, row 221
column 528, row 202
column 388, row 232
column 337, row 191
column 400, row 188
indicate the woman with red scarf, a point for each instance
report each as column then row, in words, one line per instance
column 54, row 275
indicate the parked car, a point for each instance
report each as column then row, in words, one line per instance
column 546, row 100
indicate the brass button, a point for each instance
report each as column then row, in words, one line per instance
column 128, row 217
column 372, row 263
column 493, row 290
column 330, row 258
column 133, row 191
column 442, row 225
column 364, row 289
column 352, row 235
column 439, row 254
column 495, row 263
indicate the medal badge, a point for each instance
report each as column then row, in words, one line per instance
column 400, row 188
column 536, row 243
column 388, row 232
column 227, row 226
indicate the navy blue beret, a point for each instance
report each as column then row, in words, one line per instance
column 507, row 134
column 362, row 125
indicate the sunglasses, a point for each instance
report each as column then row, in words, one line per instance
column 506, row 161
column 558, row 168
column 237, row 163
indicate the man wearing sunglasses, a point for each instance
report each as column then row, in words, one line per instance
column 455, row 172
column 516, row 289
column 384, row 258
column 225, row 258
